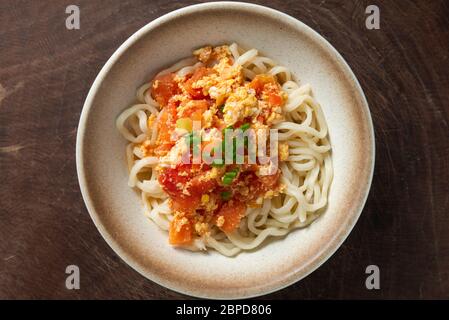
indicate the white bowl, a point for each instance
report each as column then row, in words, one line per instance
column 116, row 209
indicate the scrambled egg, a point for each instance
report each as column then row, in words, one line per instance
column 218, row 94
column 212, row 174
column 283, row 151
column 221, row 84
column 208, row 53
column 207, row 118
column 220, row 221
column 242, row 103
column 202, row 228
column 174, row 156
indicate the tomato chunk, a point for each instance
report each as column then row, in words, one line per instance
column 275, row 99
column 195, row 109
column 192, row 178
column 185, row 204
column 199, row 185
column 165, row 125
column 259, row 82
column 229, row 215
column 169, row 179
column 266, row 84
column 196, row 93
column 180, row 231
column 163, row 88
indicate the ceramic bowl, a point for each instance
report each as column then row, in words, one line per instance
column 116, row 209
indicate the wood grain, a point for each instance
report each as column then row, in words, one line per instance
column 45, row 74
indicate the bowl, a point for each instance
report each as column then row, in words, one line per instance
column 116, row 209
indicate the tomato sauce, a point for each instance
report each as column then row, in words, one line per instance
column 203, row 196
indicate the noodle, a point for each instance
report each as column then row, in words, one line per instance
column 307, row 173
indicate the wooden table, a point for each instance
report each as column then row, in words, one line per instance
column 45, row 74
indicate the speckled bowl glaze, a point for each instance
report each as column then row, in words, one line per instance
column 117, row 210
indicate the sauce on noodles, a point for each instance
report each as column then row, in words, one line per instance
column 216, row 94
column 226, row 206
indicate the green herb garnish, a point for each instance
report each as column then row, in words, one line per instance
column 229, row 176
column 217, row 163
column 245, row 126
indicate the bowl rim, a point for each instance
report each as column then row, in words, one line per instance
column 82, row 181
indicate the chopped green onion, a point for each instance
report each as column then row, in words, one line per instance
column 234, row 143
column 234, row 149
column 230, row 176
column 227, row 128
column 245, row 126
column 226, row 195
column 221, row 108
column 217, row 163
column 227, row 180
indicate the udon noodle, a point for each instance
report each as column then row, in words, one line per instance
column 305, row 175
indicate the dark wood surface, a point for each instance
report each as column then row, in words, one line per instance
column 45, row 74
